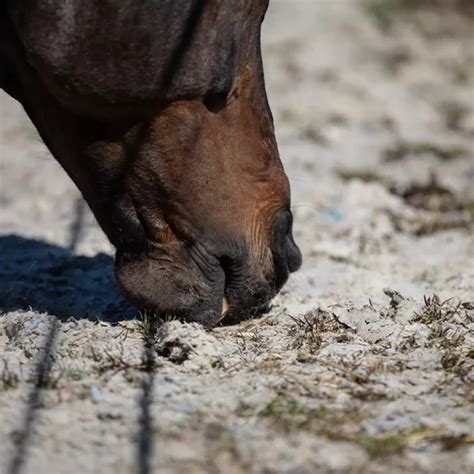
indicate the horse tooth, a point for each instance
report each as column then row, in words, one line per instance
column 225, row 308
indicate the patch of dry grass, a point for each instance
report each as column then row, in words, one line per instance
column 8, row 379
column 365, row 175
column 405, row 149
column 436, row 310
column 440, row 209
column 306, row 332
column 430, row 196
column 387, row 13
column 286, row 414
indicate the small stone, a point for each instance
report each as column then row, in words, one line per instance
column 360, row 375
column 96, row 394
column 303, row 356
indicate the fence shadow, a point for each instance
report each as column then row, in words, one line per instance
column 145, row 442
column 41, row 376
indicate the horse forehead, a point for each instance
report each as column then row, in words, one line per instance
column 123, row 52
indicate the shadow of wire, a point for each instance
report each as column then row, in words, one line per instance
column 76, row 229
column 42, row 373
column 145, row 445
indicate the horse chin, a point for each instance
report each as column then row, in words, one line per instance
column 175, row 287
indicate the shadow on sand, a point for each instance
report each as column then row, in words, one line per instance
column 50, row 279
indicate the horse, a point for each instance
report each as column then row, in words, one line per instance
column 157, row 110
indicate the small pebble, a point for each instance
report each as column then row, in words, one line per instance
column 96, row 394
column 303, row 356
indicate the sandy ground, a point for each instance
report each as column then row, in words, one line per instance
column 365, row 363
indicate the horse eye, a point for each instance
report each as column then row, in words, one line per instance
column 215, row 102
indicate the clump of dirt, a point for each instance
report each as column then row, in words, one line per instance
column 180, row 343
column 174, row 350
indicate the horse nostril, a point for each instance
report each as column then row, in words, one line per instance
column 286, row 254
column 293, row 254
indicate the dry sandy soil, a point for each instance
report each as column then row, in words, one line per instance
column 365, row 362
